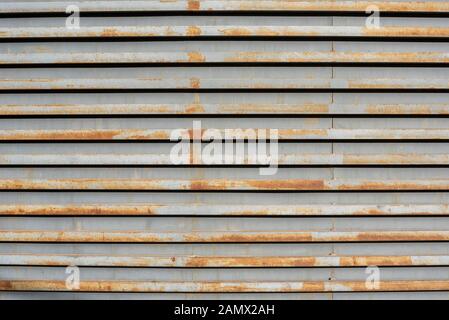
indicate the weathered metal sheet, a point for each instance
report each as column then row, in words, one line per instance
column 225, row 184
column 232, row 5
column 226, row 109
column 283, row 159
column 227, row 210
column 222, row 262
column 242, row 134
column 220, row 237
column 195, row 31
column 229, row 84
column 86, row 177
column 303, row 286
column 224, row 57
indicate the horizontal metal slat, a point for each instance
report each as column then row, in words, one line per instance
column 202, row 5
column 283, row 159
column 283, row 134
column 232, row 5
column 224, row 109
column 219, row 261
column 226, row 185
column 194, row 31
column 224, row 57
column 222, row 84
column 201, row 286
column 220, row 237
column 223, row 210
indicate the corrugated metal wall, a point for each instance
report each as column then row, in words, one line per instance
column 85, row 176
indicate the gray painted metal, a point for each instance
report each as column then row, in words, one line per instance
column 363, row 152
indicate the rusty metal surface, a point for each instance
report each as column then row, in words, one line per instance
column 283, row 134
column 220, row 237
column 303, row 286
column 195, row 31
column 233, row 5
column 229, row 84
column 283, row 159
column 221, row 210
column 222, row 262
column 86, row 177
column 226, row 184
column 226, row 109
column 225, row 57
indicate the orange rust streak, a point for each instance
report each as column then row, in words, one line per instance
column 376, row 261
column 242, row 237
column 198, row 108
column 231, row 286
column 158, row 209
column 194, row 109
column 198, row 262
column 386, row 185
column 396, row 236
column 145, row 237
column 195, row 83
column 219, row 261
column 86, row 135
column 80, row 210
column 212, row 184
column 351, row 6
column 287, row 184
column 296, row 261
column 193, row 5
column 196, row 57
column 193, row 31
column 407, row 32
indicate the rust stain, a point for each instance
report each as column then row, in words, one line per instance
column 88, row 210
column 287, row 184
column 351, row 6
column 386, row 185
column 360, row 84
column 6, row 285
column 313, row 286
column 65, row 135
column 287, row 133
column 294, row 184
column 236, row 31
column 407, row 32
column 195, row 108
column 376, row 261
column 196, row 56
column 193, row 5
column 110, row 32
column 214, row 184
column 393, row 109
column 201, row 262
column 260, row 212
column 224, row 261
column 158, row 135
column 195, row 83
column 205, row 185
column 400, row 236
column 270, row 108
column 87, row 135
column 242, row 237
column 116, row 32
column 194, row 31
column 229, row 237
column 369, row 212
column 154, row 209
column 230, row 286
